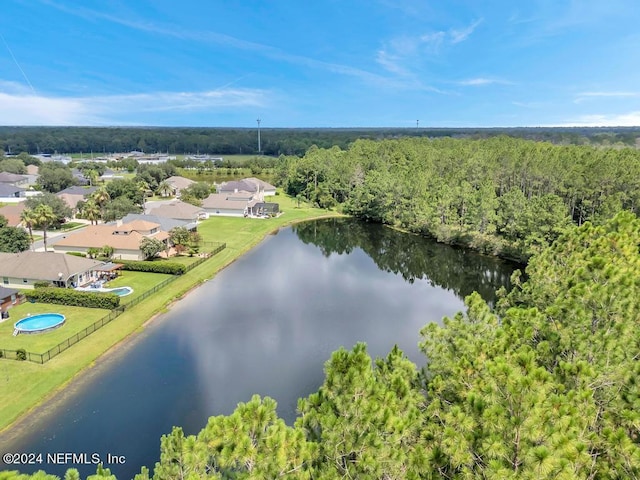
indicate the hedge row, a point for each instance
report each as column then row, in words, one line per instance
column 66, row 296
column 154, row 267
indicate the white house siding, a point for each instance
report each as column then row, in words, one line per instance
column 224, row 212
column 29, row 283
column 117, row 254
column 12, row 282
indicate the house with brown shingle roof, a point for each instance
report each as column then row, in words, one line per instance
column 124, row 238
column 22, row 270
column 179, row 183
column 12, row 213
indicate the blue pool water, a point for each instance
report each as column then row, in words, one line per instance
column 40, row 322
column 121, row 291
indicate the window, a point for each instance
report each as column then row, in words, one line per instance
column 24, row 280
column 5, row 280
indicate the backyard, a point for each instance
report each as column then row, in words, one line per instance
column 36, row 382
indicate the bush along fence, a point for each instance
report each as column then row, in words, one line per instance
column 41, row 358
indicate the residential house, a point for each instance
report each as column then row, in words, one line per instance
column 177, row 209
column 235, row 186
column 125, row 238
column 165, row 223
column 8, row 298
column 24, row 269
column 75, row 194
column 262, row 209
column 229, row 204
column 253, row 185
column 12, row 194
column 79, row 177
column 179, row 183
column 263, row 187
column 12, row 213
column 14, row 179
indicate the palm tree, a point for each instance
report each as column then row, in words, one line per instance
column 143, row 188
column 44, row 217
column 164, row 188
column 92, row 176
column 101, row 197
column 28, row 218
column 91, row 211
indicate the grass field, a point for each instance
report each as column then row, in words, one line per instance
column 37, row 382
column 76, row 320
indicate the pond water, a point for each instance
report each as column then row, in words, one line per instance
column 264, row 325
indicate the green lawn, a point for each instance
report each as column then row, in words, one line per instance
column 36, row 382
column 77, row 319
column 141, row 282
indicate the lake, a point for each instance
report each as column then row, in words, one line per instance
column 266, row 325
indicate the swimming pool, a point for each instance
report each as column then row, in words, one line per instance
column 39, row 323
column 120, row 291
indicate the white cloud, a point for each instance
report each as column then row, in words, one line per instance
column 23, row 109
column 407, row 50
column 480, row 81
column 458, row 36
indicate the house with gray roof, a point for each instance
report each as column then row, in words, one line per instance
column 8, row 298
column 11, row 193
column 231, row 205
column 165, row 223
column 251, row 184
column 24, row 269
column 177, row 209
column 14, row 179
column 237, row 186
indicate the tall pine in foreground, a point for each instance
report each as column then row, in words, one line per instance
column 544, row 387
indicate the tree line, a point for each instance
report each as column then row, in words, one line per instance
column 502, row 196
column 544, row 386
column 274, row 141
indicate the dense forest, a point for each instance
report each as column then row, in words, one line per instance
column 274, row 141
column 546, row 385
column 501, row 196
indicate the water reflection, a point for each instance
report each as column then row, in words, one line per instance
column 264, row 325
column 410, row 256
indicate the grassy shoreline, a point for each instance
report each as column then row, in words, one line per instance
column 38, row 383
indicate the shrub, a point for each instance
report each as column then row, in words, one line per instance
column 154, row 267
column 77, row 254
column 41, row 284
column 21, row 354
column 63, row 296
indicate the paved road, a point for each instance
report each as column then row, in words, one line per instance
column 53, row 237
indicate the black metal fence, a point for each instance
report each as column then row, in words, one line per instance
column 73, row 339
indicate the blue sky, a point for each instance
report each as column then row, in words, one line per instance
column 326, row 63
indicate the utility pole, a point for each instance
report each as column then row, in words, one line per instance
column 259, row 149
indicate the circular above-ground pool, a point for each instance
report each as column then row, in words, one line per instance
column 39, row 323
